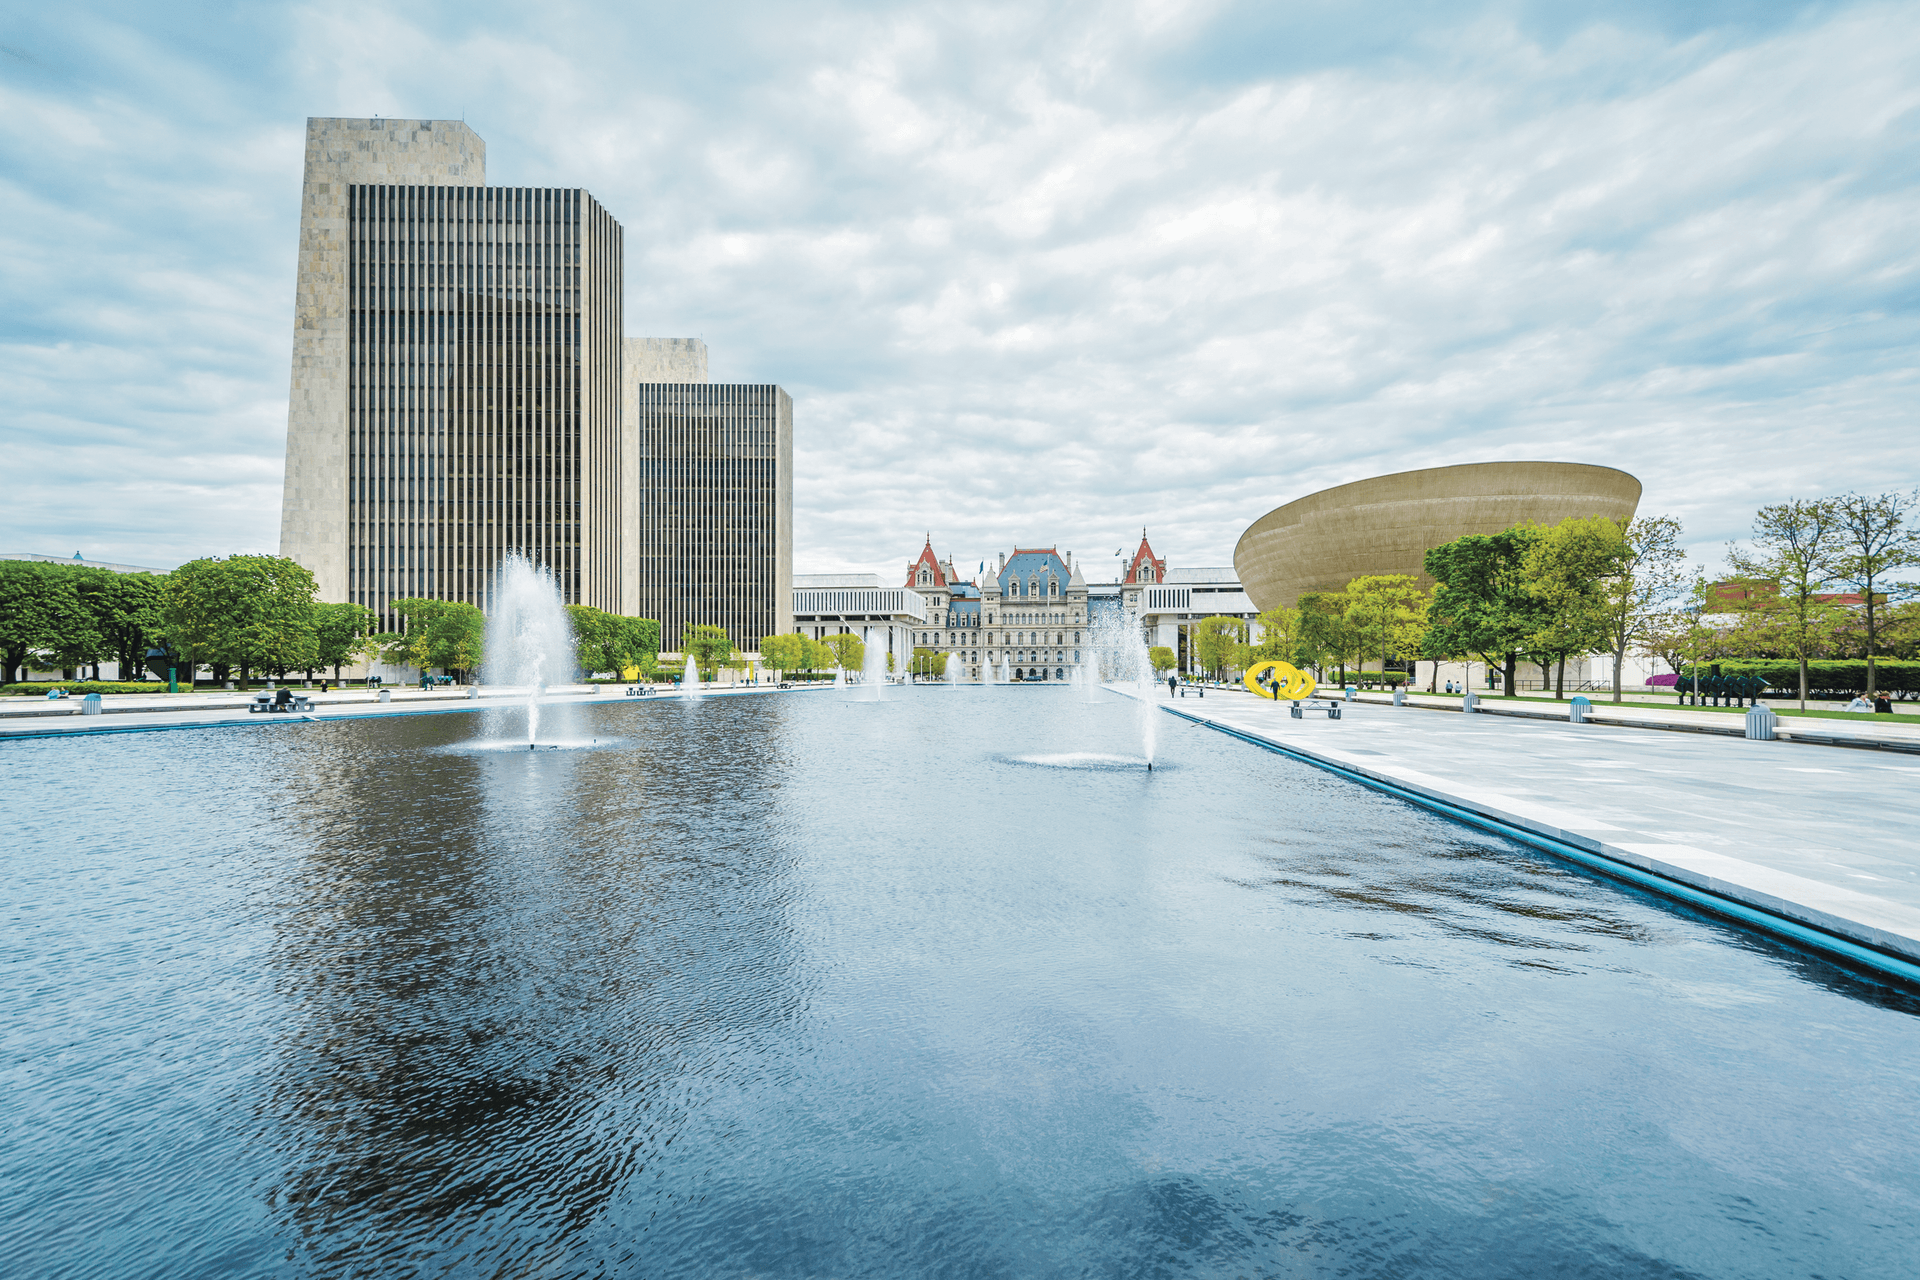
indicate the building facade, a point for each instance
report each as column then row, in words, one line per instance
column 1386, row 524
column 829, row 604
column 1025, row 615
column 456, row 373
column 461, row 392
column 713, row 502
column 1167, row 603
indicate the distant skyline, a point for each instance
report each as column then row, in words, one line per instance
column 1031, row 274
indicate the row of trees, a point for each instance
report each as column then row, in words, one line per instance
column 1546, row 594
column 804, row 653
column 257, row 614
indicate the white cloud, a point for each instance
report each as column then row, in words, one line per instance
column 1032, row 275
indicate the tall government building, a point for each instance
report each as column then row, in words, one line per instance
column 462, row 392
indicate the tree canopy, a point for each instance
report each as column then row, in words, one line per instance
column 252, row 612
column 449, row 634
column 849, row 651
column 1219, row 643
column 709, row 646
column 1388, row 612
column 1481, row 604
column 342, row 634
column 613, row 642
column 39, row 605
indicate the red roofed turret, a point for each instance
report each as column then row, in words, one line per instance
column 929, row 565
column 1145, row 568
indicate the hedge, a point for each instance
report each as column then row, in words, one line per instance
column 1839, row 674
column 80, row 688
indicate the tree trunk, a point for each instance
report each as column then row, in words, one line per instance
column 1803, row 681
column 1560, row 678
column 1619, row 660
column 1509, row 672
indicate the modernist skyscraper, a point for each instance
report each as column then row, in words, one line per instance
column 456, row 373
column 461, row 392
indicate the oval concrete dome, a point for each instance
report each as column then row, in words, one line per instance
column 1385, row 525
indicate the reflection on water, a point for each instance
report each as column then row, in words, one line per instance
column 788, row 986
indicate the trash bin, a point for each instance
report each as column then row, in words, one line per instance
column 90, row 705
column 1399, row 696
column 1762, row 723
column 1469, row 701
column 1577, row 710
column 386, row 695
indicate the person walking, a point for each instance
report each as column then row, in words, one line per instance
column 1172, row 683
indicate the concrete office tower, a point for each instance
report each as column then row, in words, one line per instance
column 714, row 493
column 456, row 374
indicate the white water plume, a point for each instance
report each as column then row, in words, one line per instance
column 690, row 681
column 529, row 637
column 873, row 670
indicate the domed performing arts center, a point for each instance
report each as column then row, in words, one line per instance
column 1387, row 524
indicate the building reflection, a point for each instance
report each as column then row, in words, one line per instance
column 512, row 977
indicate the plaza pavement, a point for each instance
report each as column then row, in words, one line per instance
column 1824, row 835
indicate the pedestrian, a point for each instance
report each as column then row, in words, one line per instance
column 1883, row 704
column 1859, row 703
column 1172, row 683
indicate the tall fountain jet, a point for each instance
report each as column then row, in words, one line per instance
column 690, row 681
column 873, row 670
column 529, row 638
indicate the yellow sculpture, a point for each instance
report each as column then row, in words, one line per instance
column 1287, row 681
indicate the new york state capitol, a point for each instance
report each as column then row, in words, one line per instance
column 1031, row 611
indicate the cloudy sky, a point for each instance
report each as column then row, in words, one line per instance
column 1033, row 274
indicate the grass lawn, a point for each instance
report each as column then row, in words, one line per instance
column 1602, row 701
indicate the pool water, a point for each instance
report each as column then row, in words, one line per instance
column 947, row 985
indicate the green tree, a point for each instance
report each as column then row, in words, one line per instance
column 1565, row 569
column 449, row 634
column 1279, row 631
column 1878, row 543
column 251, row 612
column 1162, row 658
column 126, row 610
column 1389, row 610
column 1218, row 642
column 1324, row 637
column 784, row 653
column 1648, row 576
column 342, row 634
column 82, row 644
column 1481, row 605
column 849, row 651
column 39, row 603
column 708, row 646
column 927, row 662
column 1797, row 550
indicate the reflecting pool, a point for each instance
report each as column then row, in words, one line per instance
column 946, row 984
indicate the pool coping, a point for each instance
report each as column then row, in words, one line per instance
column 1859, row 942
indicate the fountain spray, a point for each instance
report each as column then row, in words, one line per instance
column 529, row 637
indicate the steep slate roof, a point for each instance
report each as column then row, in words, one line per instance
column 1024, row 564
column 1145, row 553
column 926, row 560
